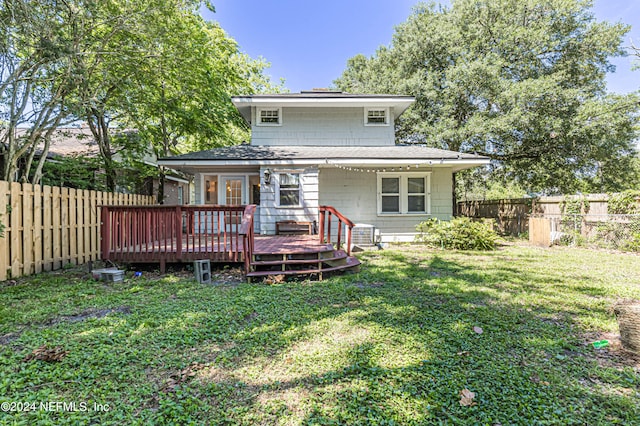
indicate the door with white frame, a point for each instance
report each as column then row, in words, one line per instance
column 233, row 192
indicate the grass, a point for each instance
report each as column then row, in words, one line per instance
column 394, row 344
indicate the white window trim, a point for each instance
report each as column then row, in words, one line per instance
column 386, row 116
column 260, row 109
column 404, row 192
column 300, row 192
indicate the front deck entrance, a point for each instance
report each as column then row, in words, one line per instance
column 222, row 234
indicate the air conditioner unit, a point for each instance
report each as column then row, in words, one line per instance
column 363, row 234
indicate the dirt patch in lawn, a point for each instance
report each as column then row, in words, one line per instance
column 5, row 339
column 90, row 313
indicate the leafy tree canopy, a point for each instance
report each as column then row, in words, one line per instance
column 151, row 65
column 520, row 81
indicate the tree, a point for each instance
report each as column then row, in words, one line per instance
column 182, row 95
column 38, row 73
column 521, row 82
column 170, row 84
column 153, row 68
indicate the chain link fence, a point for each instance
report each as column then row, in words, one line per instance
column 608, row 231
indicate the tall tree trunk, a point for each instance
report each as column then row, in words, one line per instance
column 100, row 130
column 37, row 176
column 161, row 181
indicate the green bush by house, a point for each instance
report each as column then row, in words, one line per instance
column 460, row 233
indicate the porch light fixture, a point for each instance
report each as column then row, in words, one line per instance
column 267, row 176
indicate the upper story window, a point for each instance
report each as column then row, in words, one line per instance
column 376, row 116
column 403, row 193
column 269, row 116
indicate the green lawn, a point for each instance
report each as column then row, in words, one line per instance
column 394, row 344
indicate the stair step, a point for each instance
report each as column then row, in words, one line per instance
column 337, row 255
column 351, row 262
column 279, row 251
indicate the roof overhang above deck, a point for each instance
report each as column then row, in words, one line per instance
column 321, row 99
column 247, row 156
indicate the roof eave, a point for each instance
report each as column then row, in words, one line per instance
column 426, row 162
column 398, row 103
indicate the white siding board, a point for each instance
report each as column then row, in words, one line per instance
column 355, row 195
column 270, row 213
column 323, row 126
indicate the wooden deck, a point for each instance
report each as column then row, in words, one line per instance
column 289, row 244
column 221, row 234
column 216, row 249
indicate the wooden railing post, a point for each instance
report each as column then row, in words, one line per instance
column 178, row 231
column 321, row 228
column 342, row 221
column 246, row 230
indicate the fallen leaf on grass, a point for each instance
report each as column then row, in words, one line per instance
column 181, row 376
column 466, row 398
column 274, row 279
column 477, row 329
column 45, row 353
column 536, row 379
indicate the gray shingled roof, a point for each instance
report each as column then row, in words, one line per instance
column 258, row 153
column 323, row 94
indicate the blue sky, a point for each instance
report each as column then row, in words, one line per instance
column 308, row 43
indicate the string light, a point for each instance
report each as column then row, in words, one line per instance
column 408, row 167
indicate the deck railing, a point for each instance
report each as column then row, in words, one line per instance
column 185, row 233
column 172, row 233
column 246, row 231
column 326, row 213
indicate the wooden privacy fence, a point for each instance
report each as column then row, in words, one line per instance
column 49, row 227
column 512, row 215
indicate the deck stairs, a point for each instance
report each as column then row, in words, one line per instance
column 314, row 262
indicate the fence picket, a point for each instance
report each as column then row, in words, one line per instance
column 15, row 232
column 37, row 229
column 56, row 212
column 47, row 229
column 27, row 229
column 86, row 215
column 5, row 255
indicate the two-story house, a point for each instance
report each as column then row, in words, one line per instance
column 328, row 148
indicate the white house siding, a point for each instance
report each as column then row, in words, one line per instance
column 270, row 212
column 355, row 195
column 323, row 126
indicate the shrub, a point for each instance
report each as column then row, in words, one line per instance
column 460, row 233
column 627, row 202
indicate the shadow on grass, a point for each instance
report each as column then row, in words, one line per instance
column 395, row 343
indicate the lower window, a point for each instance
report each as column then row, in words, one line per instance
column 403, row 193
column 289, row 189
